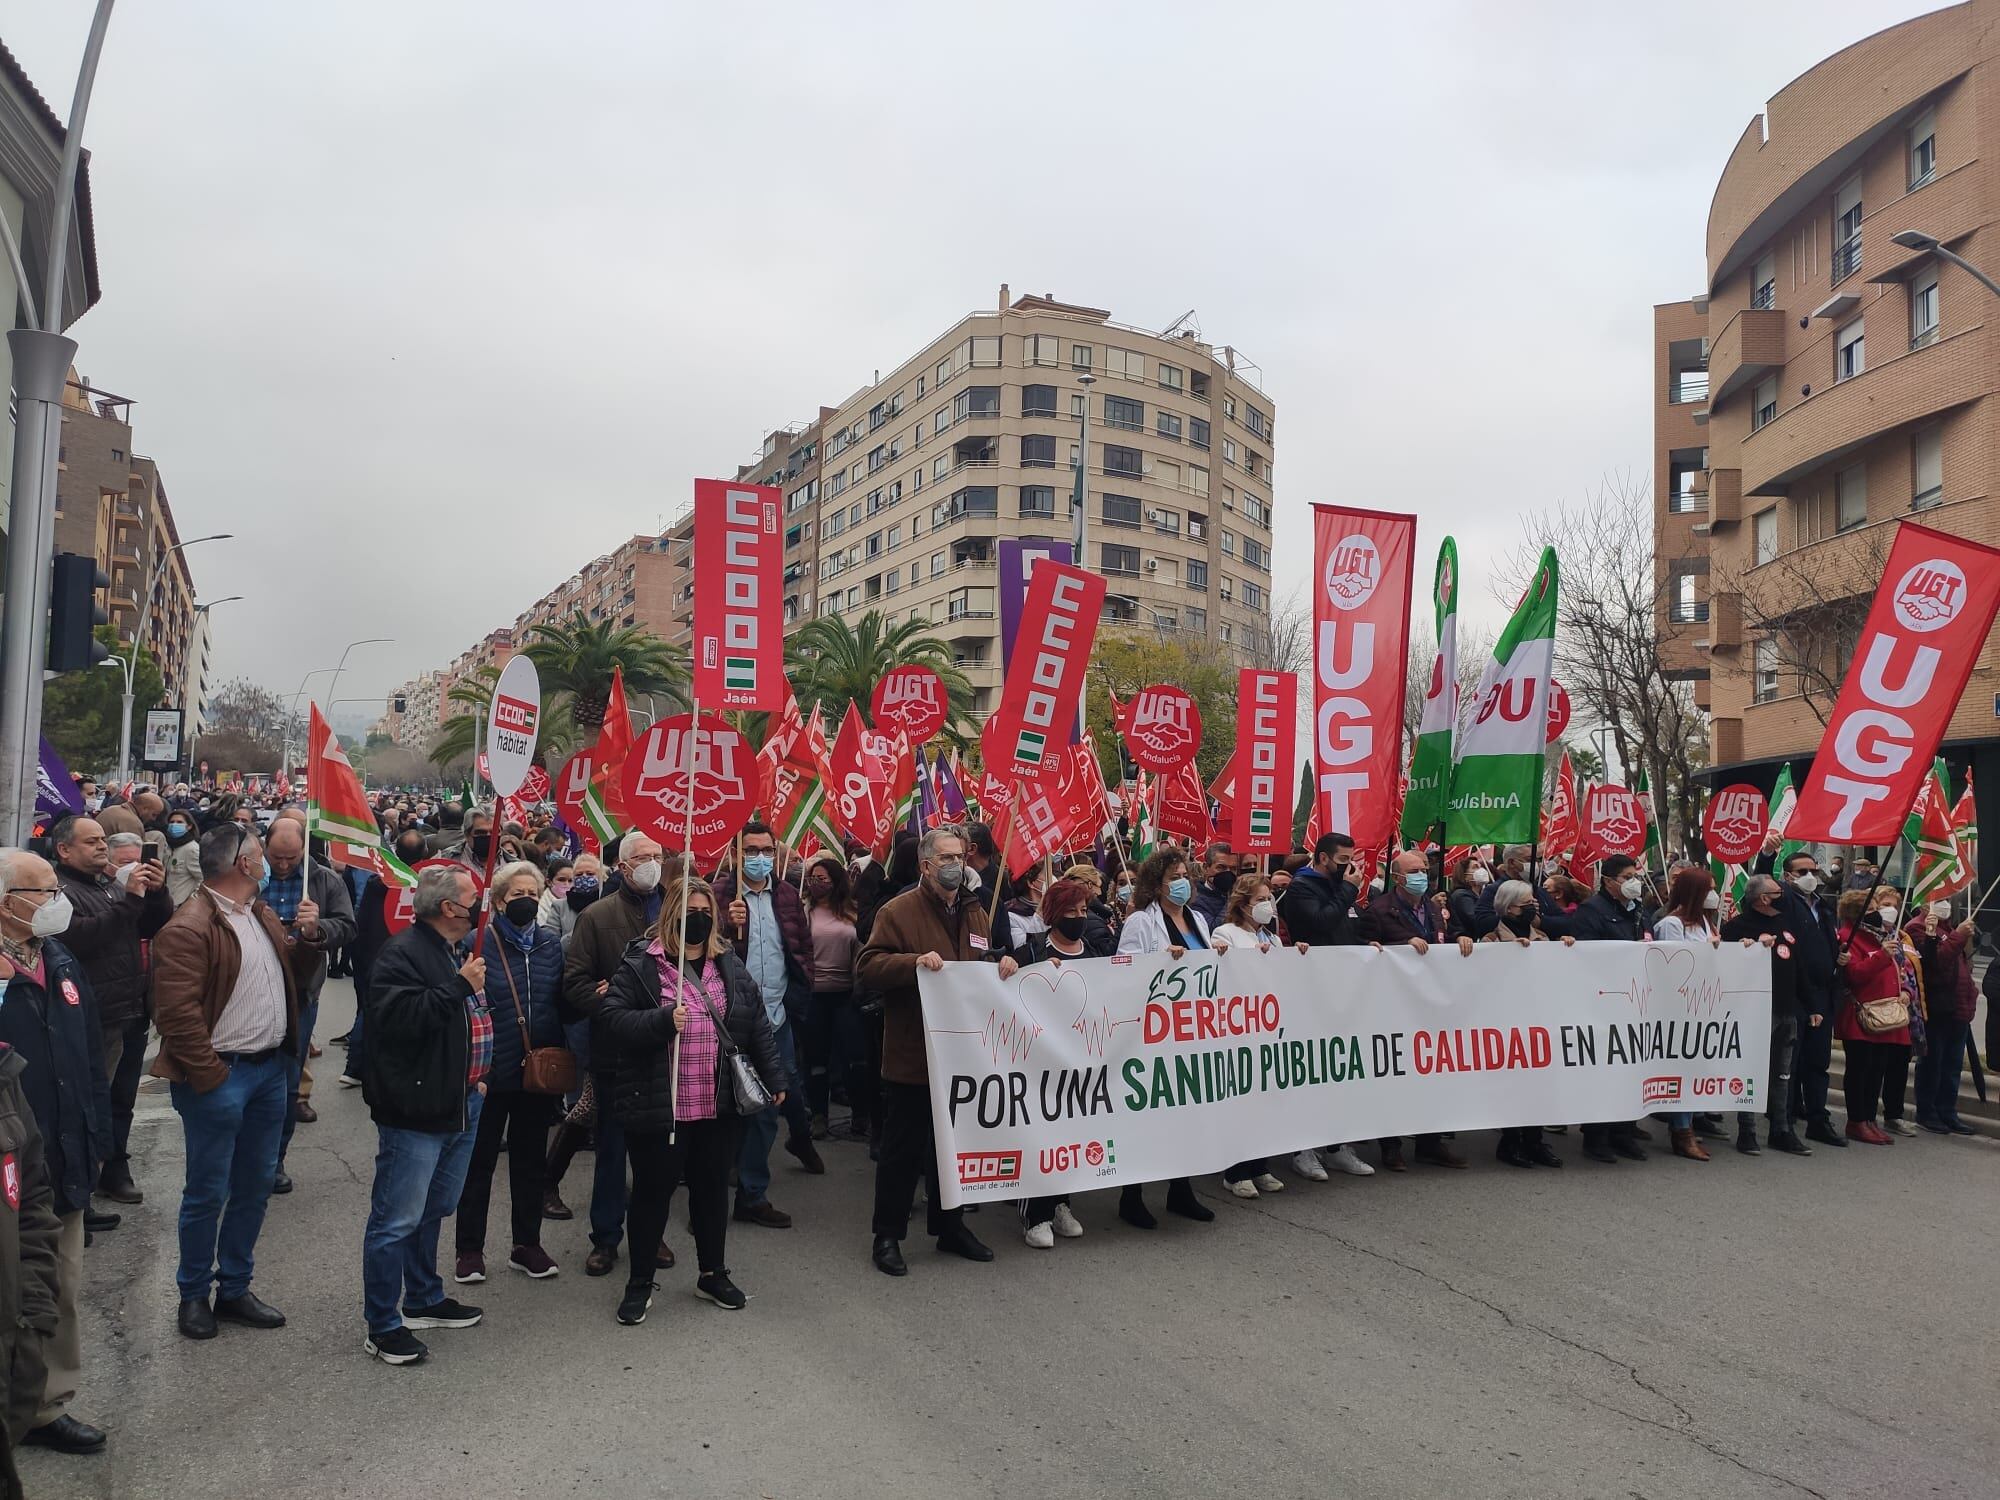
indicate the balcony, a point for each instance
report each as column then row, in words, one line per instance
column 1750, row 346
column 1725, row 621
column 1725, row 497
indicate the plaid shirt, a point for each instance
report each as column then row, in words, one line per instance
column 283, row 893
column 701, row 1047
column 479, row 1051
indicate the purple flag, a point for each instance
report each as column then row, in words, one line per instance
column 56, row 795
column 950, row 795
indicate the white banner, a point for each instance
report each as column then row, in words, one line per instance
column 1110, row 1071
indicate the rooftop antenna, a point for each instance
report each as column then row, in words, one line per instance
column 1171, row 328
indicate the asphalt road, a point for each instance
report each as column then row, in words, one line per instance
column 1752, row 1327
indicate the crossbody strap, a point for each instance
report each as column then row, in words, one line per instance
column 527, row 1039
column 722, row 1036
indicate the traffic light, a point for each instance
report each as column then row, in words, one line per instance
column 74, row 613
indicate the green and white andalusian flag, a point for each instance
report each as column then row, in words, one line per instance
column 1655, row 853
column 1496, row 780
column 1735, row 879
column 1430, row 760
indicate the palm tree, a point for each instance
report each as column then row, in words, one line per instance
column 577, row 660
column 830, row 661
column 458, row 736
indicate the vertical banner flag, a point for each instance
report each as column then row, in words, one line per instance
column 337, row 811
column 1430, row 761
column 1655, row 855
column 1965, row 833
column 739, row 622
column 1266, row 763
column 578, row 805
column 1930, row 617
column 1361, row 636
column 1929, row 830
column 1496, row 781
column 1019, row 557
column 1038, row 699
column 1559, row 814
column 855, row 781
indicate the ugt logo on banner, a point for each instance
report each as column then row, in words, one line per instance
column 691, row 785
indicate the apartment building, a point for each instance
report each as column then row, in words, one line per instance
column 1836, row 377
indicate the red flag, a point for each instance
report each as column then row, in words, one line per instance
column 1613, row 822
column 1965, row 833
column 1315, row 830
column 1055, row 813
column 1361, row 633
column 898, row 791
column 739, row 624
column 1924, row 633
column 614, row 743
column 1222, row 791
column 1182, row 808
column 854, row 781
column 1559, row 819
column 1266, row 750
column 1024, row 739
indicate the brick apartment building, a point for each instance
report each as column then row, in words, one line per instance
column 1831, row 382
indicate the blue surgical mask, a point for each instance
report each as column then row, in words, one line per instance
column 1179, row 890
column 1416, row 882
column 757, row 867
column 267, row 872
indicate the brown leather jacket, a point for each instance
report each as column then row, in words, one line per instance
column 196, row 960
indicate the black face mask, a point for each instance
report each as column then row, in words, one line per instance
column 1223, row 882
column 699, row 925
column 1070, row 927
column 479, row 844
column 521, row 911
column 413, row 854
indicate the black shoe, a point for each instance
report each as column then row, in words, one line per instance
column 197, row 1319
column 444, row 1313
column 341, row 1040
column 1181, row 1200
column 1746, row 1142
column 1935, row 1127
column 1628, row 1148
column 281, row 1183
column 888, row 1257
column 1392, row 1161
column 1826, row 1135
column 1959, row 1127
column 115, row 1182
column 762, row 1213
column 808, row 1155
column 66, row 1435
column 1511, row 1154
column 632, row 1306
column 962, row 1241
column 251, row 1310
column 398, row 1346
column 98, row 1223
column 1790, row 1144
column 719, row 1289
column 1599, row 1150
column 1637, row 1133
column 600, row 1260
column 1709, row 1127
column 1542, row 1154
column 1132, row 1209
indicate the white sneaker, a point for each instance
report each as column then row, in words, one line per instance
column 1307, row 1165
column 1244, row 1189
column 348, row 1081
column 1899, row 1127
column 1343, row 1159
column 1266, row 1183
column 1066, row 1224
column 1040, row 1236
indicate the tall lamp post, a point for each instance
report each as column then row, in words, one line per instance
column 285, row 764
column 202, row 609
column 131, row 660
column 1916, row 239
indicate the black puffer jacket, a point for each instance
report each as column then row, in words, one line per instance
column 419, row 1030
column 1319, row 911
column 632, row 1034
column 104, row 935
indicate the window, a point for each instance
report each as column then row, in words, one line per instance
column 1228, row 542
column 1120, row 560
column 1038, row 500
column 1124, row 364
column 1166, row 619
column 1256, row 510
column 1165, row 473
column 1924, row 309
column 1847, row 230
column 1253, row 595
column 1038, row 452
column 1078, row 403
column 1764, row 282
column 892, row 580
column 1765, row 689
column 1688, row 605
column 1168, row 425
column 1927, row 465
column 1923, row 149
column 1764, row 404
column 944, row 371
column 1197, row 619
column 922, row 386
column 1198, row 431
column 1197, row 527
column 1850, row 498
column 1038, row 401
column 1197, row 576
column 1170, row 377
column 1129, row 416
column 1256, row 554
column 1119, row 460
column 937, row 565
column 1229, row 450
column 1256, row 421
column 1849, row 356
column 970, row 604
column 1041, row 349
column 941, row 466
column 1167, row 522
column 916, row 574
column 984, row 350
column 896, row 536
column 1079, row 356
column 1764, row 536
column 1122, row 510
column 977, row 401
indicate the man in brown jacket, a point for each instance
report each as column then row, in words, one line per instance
column 226, row 985
column 932, row 923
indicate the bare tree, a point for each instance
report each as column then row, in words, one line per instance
column 1475, row 649
column 1288, row 646
column 1607, row 640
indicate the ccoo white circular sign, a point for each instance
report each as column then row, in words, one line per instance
column 513, row 723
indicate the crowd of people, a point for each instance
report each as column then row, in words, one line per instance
column 679, row 1025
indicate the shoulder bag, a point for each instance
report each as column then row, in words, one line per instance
column 544, row 1070
column 735, row 1079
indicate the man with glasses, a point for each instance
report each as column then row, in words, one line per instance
column 226, row 984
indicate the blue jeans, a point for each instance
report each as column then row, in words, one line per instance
column 1939, row 1070
column 354, row 1052
column 418, row 1175
column 308, row 1019
column 232, row 1136
column 607, row 1182
column 753, row 1162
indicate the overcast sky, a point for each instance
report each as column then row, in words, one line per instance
column 430, row 303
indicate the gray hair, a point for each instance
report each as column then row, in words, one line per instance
column 1759, row 887
column 1509, row 894
column 435, row 886
column 221, row 847
column 929, row 847
column 8, row 857
column 507, row 874
column 123, row 841
column 1516, row 851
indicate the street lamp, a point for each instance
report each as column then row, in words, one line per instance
column 138, row 635
column 336, row 669
column 201, row 676
column 1930, row 244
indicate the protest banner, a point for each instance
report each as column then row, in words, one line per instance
column 1108, row 1072
column 738, row 654
column 1259, row 808
column 1039, row 696
column 1361, row 635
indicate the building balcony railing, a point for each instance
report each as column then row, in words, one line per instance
column 1846, row 259
column 1687, row 386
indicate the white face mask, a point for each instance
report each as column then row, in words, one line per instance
column 1808, row 882
column 1888, row 914
column 1940, row 909
column 1632, row 889
column 1711, row 902
column 51, row 918
column 644, row 877
column 123, row 874
column 1481, row 875
column 1264, row 913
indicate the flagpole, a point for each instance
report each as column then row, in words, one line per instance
column 687, row 879
column 1000, row 876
